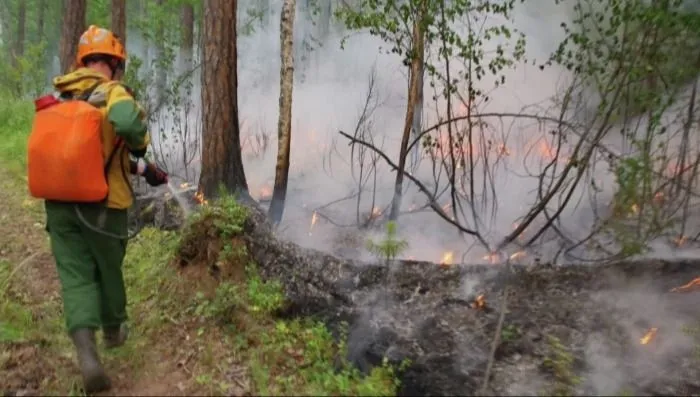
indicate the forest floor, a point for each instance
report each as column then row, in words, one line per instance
column 190, row 335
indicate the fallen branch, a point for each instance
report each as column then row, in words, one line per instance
column 433, row 202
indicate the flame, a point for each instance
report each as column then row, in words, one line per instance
column 447, row 258
column 199, row 196
column 184, row 185
column 634, row 209
column 680, row 241
column 517, row 255
column 649, row 336
column 314, row 219
column 659, row 198
column 492, row 258
column 503, row 150
column 689, row 287
column 479, row 302
column 265, row 193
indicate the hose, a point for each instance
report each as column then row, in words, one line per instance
column 103, row 232
column 96, row 229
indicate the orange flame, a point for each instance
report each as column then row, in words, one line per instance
column 693, row 285
column 376, row 213
column 265, row 193
column 199, row 196
column 479, row 302
column 649, row 336
column 492, row 258
column 447, row 258
column 314, row 219
column 517, row 255
column 680, row 241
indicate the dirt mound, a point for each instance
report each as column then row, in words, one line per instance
column 565, row 330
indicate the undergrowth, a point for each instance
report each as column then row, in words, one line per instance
column 226, row 329
column 15, row 124
column 284, row 357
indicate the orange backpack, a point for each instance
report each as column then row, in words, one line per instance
column 65, row 159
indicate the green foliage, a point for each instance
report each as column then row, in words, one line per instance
column 392, row 21
column 646, row 49
column 391, row 246
column 560, row 363
column 15, row 124
column 306, row 356
column 27, row 76
column 635, row 57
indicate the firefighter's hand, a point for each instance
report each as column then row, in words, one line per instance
column 155, row 176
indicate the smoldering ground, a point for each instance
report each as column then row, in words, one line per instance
column 322, row 211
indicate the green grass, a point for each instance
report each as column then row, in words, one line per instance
column 15, row 125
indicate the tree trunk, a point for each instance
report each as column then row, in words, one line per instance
column 21, row 30
column 414, row 92
column 41, row 19
column 187, row 37
column 417, row 123
column 160, row 65
column 119, row 19
column 284, row 125
column 73, row 27
column 221, row 143
column 146, row 42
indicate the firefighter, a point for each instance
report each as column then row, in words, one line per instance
column 88, row 240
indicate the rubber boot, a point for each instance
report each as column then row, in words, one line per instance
column 95, row 379
column 115, row 336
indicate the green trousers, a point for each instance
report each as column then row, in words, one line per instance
column 89, row 264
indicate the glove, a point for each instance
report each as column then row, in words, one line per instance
column 155, row 176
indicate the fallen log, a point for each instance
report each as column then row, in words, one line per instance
column 566, row 330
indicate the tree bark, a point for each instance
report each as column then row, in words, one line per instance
column 161, row 77
column 145, row 53
column 73, row 27
column 414, row 92
column 21, row 30
column 119, row 19
column 187, row 37
column 221, row 143
column 41, row 19
column 284, row 125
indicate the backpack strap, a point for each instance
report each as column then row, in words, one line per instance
column 85, row 96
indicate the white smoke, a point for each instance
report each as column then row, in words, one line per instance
column 329, row 92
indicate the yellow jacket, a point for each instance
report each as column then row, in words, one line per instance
column 123, row 117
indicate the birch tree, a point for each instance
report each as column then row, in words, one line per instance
column 284, row 125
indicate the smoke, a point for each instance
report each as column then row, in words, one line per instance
column 331, row 85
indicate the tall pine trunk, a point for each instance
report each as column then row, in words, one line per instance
column 221, row 142
column 73, row 27
column 284, row 125
column 119, row 19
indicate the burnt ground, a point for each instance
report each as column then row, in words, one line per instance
column 571, row 330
